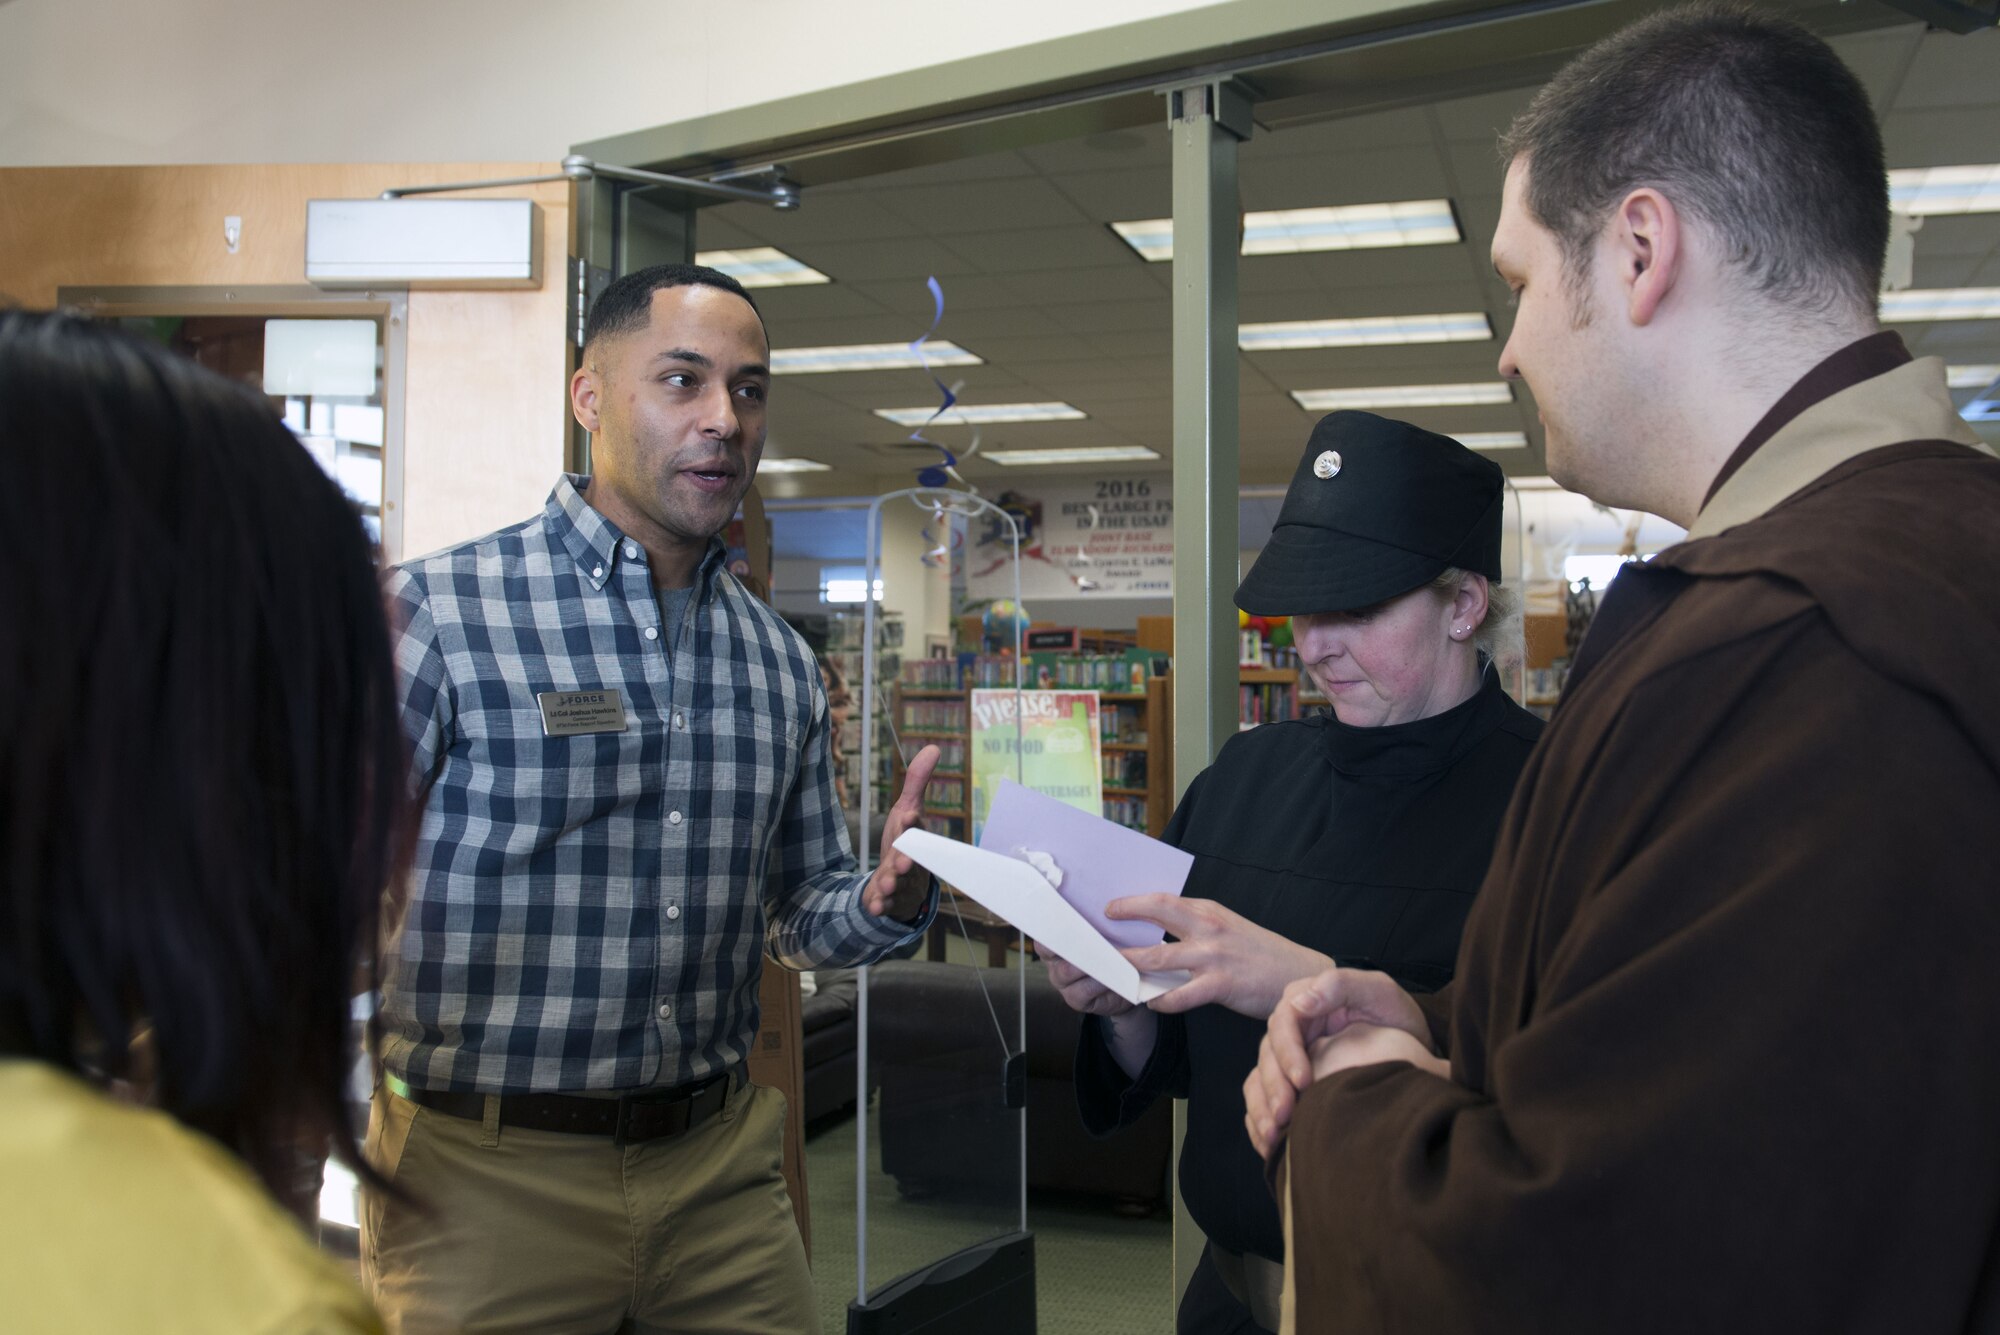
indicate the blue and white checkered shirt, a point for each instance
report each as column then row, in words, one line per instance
column 584, row 911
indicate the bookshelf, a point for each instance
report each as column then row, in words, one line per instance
column 844, row 651
column 1273, row 694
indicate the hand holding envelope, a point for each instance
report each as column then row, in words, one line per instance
column 1017, row 892
column 1097, row 862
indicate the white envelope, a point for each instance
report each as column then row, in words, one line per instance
column 1014, row 890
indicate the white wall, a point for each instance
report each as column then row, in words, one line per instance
column 180, row 81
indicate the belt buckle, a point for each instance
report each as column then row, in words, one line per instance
column 623, row 1122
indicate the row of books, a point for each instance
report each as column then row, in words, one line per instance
column 945, row 793
column 951, row 752
column 1105, row 672
column 1126, row 811
column 1122, row 721
column 931, row 674
column 934, row 715
column 1125, row 769
column 1268, row 702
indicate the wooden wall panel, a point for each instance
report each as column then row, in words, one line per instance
column 485, row 404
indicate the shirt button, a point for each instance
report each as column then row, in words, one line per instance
column 680, row 721
column 673, row 818
column 597, row 572
column 673, row 912
column 631, row 551
column 652, row 632
column 666, row 1011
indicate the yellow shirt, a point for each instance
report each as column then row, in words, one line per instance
column 114, row 1218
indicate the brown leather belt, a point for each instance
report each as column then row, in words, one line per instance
column 628, row 1118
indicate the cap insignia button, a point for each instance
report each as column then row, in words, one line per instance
column 1327, row 464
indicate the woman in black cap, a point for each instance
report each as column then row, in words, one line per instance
column 1358, row 836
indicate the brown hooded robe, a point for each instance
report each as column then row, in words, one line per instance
column 1725, row 1036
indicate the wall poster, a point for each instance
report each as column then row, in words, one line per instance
column 1106, row 537
column 1060, row 748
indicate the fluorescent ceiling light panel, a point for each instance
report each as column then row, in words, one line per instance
column 1941, row 303
column 1096, row 454
column 868, row 357
column 1374, row 331
column 1492, row 440
column 1971, row 377
column 761, row 266
column 983, row 414
column 1919, row 191
column 1405, row 396
column 1411, row 222
column 770, row 465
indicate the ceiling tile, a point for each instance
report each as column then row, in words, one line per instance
column 1120, row 194
column 1408, row 128
column 1373, row 177
column 867, row 261
column 817, row 301
column 1112, row 150
column 1880, row 58
column 1482, row 119
column 1943, row 137
column 822, row 217
column 1953, row 71
column 1042, row 250
column 981, row 206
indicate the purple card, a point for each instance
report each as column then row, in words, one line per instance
column 1099, row 861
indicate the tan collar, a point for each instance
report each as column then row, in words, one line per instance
column 1908, row 403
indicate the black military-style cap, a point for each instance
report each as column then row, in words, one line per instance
column 1376, row 509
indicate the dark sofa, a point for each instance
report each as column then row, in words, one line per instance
column 832, row 1038
column 945, row 1123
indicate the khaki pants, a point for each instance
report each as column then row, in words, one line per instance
column 516, row 1230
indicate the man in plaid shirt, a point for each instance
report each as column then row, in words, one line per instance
column 623, row 761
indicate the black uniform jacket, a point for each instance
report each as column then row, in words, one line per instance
column 1366, row 844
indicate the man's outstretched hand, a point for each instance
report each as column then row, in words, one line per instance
column 898, row 886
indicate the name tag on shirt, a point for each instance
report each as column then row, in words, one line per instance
column 570, row 713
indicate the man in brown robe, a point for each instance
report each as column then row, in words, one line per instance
column 1723, row 1051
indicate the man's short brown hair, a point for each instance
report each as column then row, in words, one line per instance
column 1747, row 122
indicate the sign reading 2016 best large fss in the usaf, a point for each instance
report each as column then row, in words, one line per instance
column 1107, row 537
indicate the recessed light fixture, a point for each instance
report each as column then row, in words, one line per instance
column 1405, row 396
column 1970, row 377
column 1094, row 454
column 761, row 266
column 868, row 357
column 1411, row 222
column 981, row 414
column 770, row 465
column 1374, row 331
column 1941, row 303
column 1493, row 440
column 1919, row 191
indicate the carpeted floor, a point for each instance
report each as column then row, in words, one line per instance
column 1096, row 1272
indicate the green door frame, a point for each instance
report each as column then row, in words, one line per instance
column 1289, row 62
column 616, row 227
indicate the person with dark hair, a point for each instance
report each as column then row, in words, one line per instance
column 198, row 817
column 1357, row 834
column 1719, row 1052
column 627, row 798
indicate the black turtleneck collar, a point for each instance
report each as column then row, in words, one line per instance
column 1421, row 745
